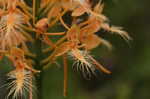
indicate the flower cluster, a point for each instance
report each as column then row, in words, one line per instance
column 21, row 23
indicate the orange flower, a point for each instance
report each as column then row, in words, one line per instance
column 22, row 76
column 72, row 47
column 11, row 33
column 20, row 82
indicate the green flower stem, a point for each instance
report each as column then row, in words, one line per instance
column 39, row 77
column 38, row 51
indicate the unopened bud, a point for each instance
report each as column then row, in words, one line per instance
column 42, row 25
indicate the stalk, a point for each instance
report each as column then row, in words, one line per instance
column 39, row 77
column 38, row 51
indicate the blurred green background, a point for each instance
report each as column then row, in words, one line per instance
column 129, row 63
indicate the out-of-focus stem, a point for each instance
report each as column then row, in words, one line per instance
column 65, row 75
column 38, row 66
column 38, row 51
